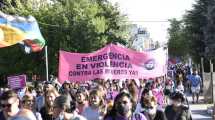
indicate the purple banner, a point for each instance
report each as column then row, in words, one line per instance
column 16, row 82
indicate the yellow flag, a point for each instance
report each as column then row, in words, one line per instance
column 10, row 35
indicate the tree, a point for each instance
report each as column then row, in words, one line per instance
column 209, row 34
column 177, row 44
column 195, row 21
column 71, row 25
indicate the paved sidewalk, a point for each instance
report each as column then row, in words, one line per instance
column 199, row 111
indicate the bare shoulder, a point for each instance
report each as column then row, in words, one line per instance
column 27, row 113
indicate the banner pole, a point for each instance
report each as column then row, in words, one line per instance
column 47, row 71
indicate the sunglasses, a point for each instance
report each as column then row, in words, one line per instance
column 6, row 105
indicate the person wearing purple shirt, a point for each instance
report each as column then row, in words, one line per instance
column 123, row 109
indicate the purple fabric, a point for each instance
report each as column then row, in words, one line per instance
column 115, row 93
column 159, row 96
column 111, row 95
column 136, row 116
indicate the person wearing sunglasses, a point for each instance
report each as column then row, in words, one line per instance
column 28, row 102
column 9, row 104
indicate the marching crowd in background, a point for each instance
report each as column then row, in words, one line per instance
column 147, row 99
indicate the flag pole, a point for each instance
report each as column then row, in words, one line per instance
column 47, row 71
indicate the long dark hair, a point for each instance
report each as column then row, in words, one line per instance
column 113, row 111
column 144, row 92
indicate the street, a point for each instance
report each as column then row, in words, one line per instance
column 199, row 111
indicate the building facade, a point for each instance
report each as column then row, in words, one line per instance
column 141, row 40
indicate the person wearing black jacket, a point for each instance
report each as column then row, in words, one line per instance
column 177, row 110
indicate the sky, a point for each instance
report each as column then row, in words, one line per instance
column 147, row 12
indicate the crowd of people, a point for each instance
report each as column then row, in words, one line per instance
column 147, row 99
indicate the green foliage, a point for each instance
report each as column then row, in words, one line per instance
column 209, row 34
column 71, row 25
column 194, row 34
column 177, row 44
column 195, row 21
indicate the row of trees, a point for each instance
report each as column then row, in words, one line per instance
column 70, row 25
column 194, row 34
